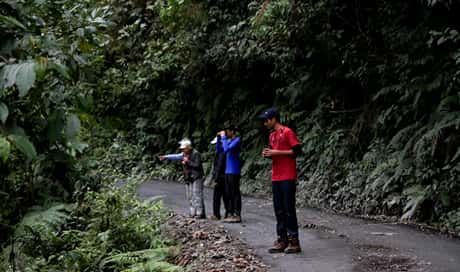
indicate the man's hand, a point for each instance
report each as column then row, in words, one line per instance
column 267, row 152
column 221, row 133
column 162, row 157
column 185, row 160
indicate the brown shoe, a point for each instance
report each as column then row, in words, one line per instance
column 278, row 247
column 293, row 245
column 229, row 219
column 233, row 219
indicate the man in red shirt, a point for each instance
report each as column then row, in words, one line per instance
column 283, row 149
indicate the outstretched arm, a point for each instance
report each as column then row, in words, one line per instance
column 172, row 157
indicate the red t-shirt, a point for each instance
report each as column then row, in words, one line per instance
column 283, row 166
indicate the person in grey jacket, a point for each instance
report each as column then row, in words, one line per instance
column 193, row 174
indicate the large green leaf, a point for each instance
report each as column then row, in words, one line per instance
column 72, row 127
column 5, row 149
column 8, row 75
column 11, row 21
column 25, row 78
column 23, row 75
column 16, row 130
column 3, row 112
column 25, row 146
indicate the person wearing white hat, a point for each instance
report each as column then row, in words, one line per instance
column 193, row 174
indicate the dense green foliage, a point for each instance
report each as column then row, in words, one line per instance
column 371, row 89
column 106, row 229
column 64, row 206
column 109, row 231
column 42, row 106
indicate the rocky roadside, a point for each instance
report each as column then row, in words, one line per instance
column 207, row 246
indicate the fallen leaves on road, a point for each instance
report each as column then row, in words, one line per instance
column 383, row 259
column 209, row 247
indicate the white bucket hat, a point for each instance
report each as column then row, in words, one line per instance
column 185, row 143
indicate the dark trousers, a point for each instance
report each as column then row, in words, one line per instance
column 232, row 190
column 219, row 193
column 285, row 210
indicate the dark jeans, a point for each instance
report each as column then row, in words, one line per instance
column 219, row 193
column 232, row 190
column 285, row 210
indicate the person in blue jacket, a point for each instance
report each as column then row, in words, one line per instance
column 232, row 148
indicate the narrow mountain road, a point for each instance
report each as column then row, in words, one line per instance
column 330, row 243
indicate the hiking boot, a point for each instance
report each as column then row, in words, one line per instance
column 278, row 247
column 293, row 245
column 233, row 219
column 229, row 219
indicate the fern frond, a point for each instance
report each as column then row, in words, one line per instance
column 451, row 119
column 133, row 257
column 49, row 218
column 402, row 136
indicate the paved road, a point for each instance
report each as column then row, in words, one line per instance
column 331, row 243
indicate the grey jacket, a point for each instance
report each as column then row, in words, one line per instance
column 194, row 168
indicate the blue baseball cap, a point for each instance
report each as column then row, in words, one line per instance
column 269, row 114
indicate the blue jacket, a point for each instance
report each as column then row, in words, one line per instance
column 232, row 149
